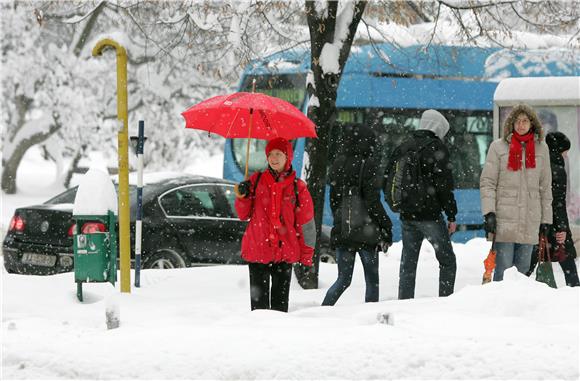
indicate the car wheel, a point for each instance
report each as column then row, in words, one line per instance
column 165, row 259
column 9, row 270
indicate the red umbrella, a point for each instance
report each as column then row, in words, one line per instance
column 249, row 115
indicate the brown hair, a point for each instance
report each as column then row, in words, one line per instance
column 535, row 125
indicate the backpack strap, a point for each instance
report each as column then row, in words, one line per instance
column 411, row 145
column 296, row 204
column 254, row 191
column 296, row 192
column 360, row 174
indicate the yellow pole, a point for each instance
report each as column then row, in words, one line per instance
column 123, row 147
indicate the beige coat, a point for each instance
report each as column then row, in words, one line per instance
column 521, row 200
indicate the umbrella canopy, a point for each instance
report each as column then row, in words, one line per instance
column 249, row 115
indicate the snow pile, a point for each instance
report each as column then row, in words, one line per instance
column 196, row 324
column 96, row 194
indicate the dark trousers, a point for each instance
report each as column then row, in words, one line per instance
column 568, row 267
column 261, row 296
column 436, row 233
column 345, row 261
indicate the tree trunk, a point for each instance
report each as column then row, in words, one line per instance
column 87, row 29
column 11, row 163
column 322, row 28
column 74, row 165
column 316, row 178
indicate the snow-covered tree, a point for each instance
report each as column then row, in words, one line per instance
column 44, row 87
column 179, row 53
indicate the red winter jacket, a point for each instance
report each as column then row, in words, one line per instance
column 277, row 234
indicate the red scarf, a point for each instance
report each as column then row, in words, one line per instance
column 515, row 154
column 276, row 191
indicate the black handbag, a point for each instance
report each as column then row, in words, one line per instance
column 356, row 224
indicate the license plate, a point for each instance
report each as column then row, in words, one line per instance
column 39, row 259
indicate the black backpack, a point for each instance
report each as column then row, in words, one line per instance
column 404, row 187
column 356, row 224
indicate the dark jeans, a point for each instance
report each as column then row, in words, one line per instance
column 345, row 261
column 568, row 267
column 436, row 233
column 260, row 295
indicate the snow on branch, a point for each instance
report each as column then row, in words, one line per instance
column 79, row 18
column 31, row 129
column 211, row 21
column 469, row 4
column 330, row 55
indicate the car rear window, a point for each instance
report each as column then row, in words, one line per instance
column 68, row 196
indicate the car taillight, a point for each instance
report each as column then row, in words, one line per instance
column 93, row 227
column 72, row 230
column 16, row 224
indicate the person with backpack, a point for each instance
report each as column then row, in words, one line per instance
column 281, row 228
column 361, row 223
column 419, row 185
column 516, row 190
column 559, row 235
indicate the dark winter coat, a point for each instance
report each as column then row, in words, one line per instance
column 359, row 144
column 437, row 177
column 557, row 143
column 294, row 240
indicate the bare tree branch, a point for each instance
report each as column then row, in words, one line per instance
column 473, row 5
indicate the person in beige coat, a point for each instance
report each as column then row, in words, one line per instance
column 516, row 190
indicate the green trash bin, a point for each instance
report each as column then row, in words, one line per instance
column 95, row 250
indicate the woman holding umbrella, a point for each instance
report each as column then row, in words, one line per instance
column 281, row 228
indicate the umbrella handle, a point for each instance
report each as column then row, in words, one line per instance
column 249, row 132
column 248, row 145
column 236, row 191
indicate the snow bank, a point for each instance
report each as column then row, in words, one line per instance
column 196, row 324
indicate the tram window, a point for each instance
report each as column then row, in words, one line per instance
column 467, row 141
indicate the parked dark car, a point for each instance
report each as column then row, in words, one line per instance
column 187, row 220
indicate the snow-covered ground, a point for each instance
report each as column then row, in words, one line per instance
column 196, row 323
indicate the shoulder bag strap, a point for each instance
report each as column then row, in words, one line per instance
column 360, row 174
column 256, row 183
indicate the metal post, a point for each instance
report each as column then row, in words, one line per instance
column 138, row 226
column 123, row 148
